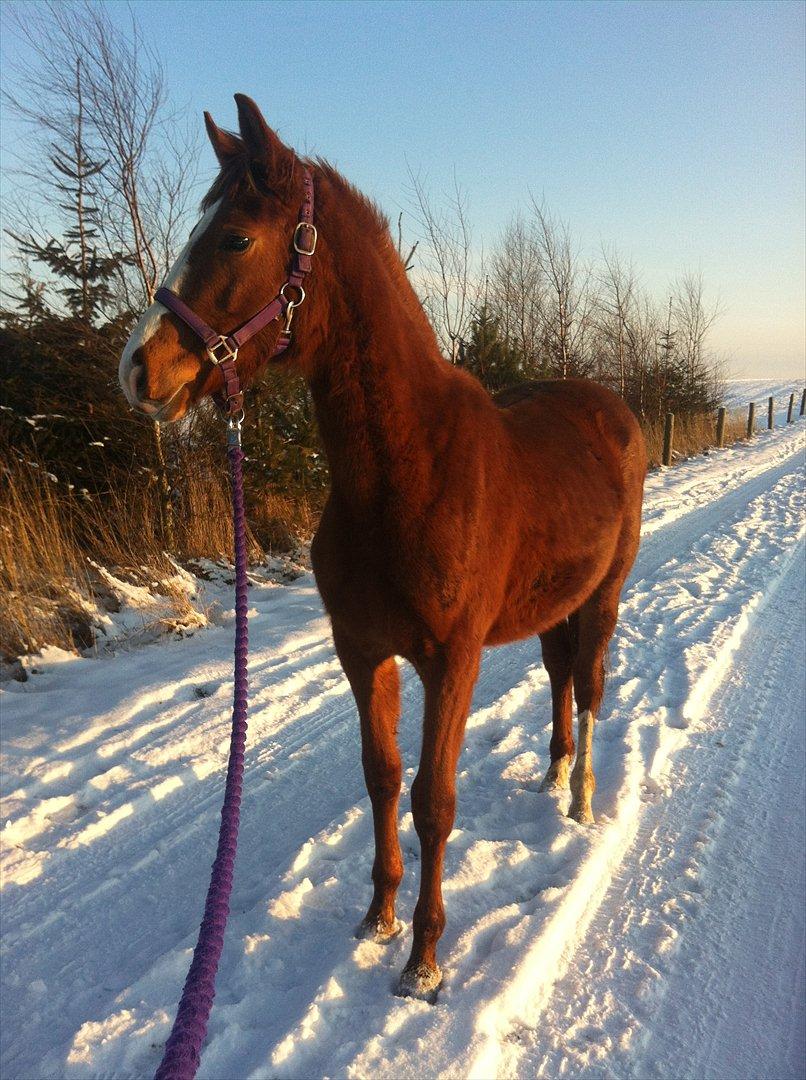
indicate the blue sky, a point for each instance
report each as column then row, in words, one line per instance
column 673, row 130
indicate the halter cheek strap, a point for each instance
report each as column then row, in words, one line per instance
column 222, row 349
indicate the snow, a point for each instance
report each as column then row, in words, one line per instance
column 740, row 392
column 666, row 940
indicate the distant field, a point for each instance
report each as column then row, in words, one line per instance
column 743, row 391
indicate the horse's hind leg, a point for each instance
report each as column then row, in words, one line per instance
column 597, row 621
column 559, row 649
column 376, row 686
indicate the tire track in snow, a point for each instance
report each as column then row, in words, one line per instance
column 616, row 1012
column 671, row 494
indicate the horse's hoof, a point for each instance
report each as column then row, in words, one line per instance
column 582, row 814
column 376, row 930
column 420, row 981
column 556, row 777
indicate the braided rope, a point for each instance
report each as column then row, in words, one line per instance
column 183, row 1048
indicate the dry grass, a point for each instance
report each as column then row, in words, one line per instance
column 693, row 434
column 51, row 537
column 125, row 525
column 44, row 581
column 280, row 522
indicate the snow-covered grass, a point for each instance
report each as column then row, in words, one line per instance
column 569, row 951
column 82, row 573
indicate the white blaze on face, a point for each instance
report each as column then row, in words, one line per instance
column 150, row 319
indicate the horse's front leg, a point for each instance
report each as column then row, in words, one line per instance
column 376, row 686
column 448, row 682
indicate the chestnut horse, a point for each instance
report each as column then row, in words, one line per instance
column 454, row 520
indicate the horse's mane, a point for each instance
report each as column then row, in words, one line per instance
column 374, row 224
column 372, row 219
column 235, row 177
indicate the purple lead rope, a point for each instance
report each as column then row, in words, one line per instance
column 183, row 1048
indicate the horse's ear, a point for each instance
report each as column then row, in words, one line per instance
column 225, row 145
column 271, row 162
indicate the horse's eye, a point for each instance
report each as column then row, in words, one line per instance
column 235, row 243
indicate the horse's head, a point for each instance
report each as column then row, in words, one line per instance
column 235, row 261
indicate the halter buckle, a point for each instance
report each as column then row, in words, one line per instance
column 301, row 250
column 221, row 350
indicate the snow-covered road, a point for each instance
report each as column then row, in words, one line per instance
column 665, row 941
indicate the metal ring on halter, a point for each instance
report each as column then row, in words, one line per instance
column 293, row 303
column 236, row 420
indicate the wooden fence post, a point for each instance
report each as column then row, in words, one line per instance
column 803, row 403
column 791, row 408
column 720, row 426
column 668, row 438
column 751, row 420
column 770, row 413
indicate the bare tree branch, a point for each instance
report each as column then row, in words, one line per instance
column 142, row 191
column 449, row 292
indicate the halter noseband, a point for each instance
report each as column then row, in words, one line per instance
column 222, row 349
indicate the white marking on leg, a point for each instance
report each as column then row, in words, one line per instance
column 583, row 782
column 149, row 321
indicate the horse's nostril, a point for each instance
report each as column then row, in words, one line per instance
column 139, row 380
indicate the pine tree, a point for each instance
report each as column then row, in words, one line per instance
column 495, row 362
column 86, row 273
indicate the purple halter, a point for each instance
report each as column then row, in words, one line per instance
column 183, row 1048
column 222, row 349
